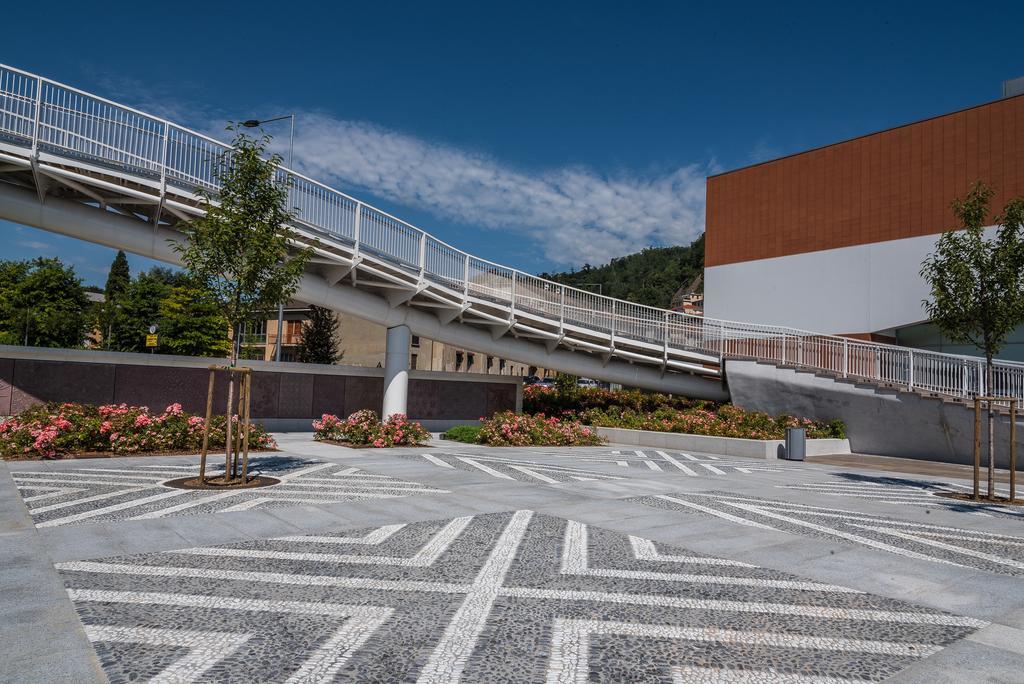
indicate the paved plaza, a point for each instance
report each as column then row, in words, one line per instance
column 461, row 563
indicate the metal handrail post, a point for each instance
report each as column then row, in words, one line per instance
column 1013, row 450
column 37, row 107
column 910, row 369
column 423, row 254
column 977, row 448
column 512, row 298
column 561, row 311
column 356, row 228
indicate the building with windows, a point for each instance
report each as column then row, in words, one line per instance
column 363, row 343
column 832, row 240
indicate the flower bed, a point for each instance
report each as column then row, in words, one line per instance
column 365, row 429
column 663, row 413
column 58, row 430
column 512, row 429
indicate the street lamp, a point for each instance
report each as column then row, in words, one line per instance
column 253, row 123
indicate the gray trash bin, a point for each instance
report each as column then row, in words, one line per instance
column 796, row 443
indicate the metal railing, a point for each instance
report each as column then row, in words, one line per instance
column 43, row 116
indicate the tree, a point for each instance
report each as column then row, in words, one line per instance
column 42, row 304
column 191, row 323
column 977, row 283
column 649, row 277
column 119, row 278
column 319, row 342
column 241, row 249
column 138, row 307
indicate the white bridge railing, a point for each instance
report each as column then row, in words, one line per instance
column 41, row 116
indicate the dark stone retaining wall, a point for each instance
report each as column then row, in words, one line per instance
column 279, row 390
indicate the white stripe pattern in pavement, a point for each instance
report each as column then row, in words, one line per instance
column 693, row 674
column 85, row 495
column 513, row 468
column 574, row 562
column 449, row 657
column 206, row 648
column 644, row 549
column 694, row 466
column 516, row 575
column 425, row 557
column 570, row 643
column 946, row 545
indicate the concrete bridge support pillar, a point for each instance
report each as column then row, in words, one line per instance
column 396, row 372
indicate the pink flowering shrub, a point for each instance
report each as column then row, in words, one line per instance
column 364, row 428
column 638, row 410
column 513, row 429
column 55, row 430
column 723, row 420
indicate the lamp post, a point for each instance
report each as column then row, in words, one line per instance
column 253, row 123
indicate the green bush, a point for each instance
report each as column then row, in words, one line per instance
column 463, row 433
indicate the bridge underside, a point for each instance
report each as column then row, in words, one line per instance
column 358, row 283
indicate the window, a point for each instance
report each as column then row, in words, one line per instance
column 469, row 361
column 415, row 340
column 412, row 363
column 458, row 360
column 292, row 332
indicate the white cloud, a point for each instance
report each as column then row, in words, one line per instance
column 33, row 244
column 574, row 214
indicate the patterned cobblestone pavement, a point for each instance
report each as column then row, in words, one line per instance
column 92, row 494
column 503, row 597
column 905, row 492
column 996, row 553
column 503, row 468
column 680, row 462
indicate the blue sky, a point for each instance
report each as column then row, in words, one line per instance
column 540, row 135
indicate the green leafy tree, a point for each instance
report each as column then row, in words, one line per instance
column 42, row 304
column 191, row 323
column 648, row 277
column 977, row 283
column 138, row 307
column 119, row 278
column 568, row 387
column 241, row 249
column 319, row 343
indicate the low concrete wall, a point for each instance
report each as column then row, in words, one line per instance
column 878, row 421
column 725, row 446
column 284, row 395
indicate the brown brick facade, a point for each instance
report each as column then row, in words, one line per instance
column 889, row 185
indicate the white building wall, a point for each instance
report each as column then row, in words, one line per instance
column 861, row 289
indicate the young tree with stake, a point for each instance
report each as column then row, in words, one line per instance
column 977, row 284
column 242, row 249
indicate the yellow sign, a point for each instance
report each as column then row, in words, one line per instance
column 151, row 340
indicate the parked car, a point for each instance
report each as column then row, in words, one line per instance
column 587, row 382
column 546, row 382
column 531, row 380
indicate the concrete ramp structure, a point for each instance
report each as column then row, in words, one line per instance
column 80, row 165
